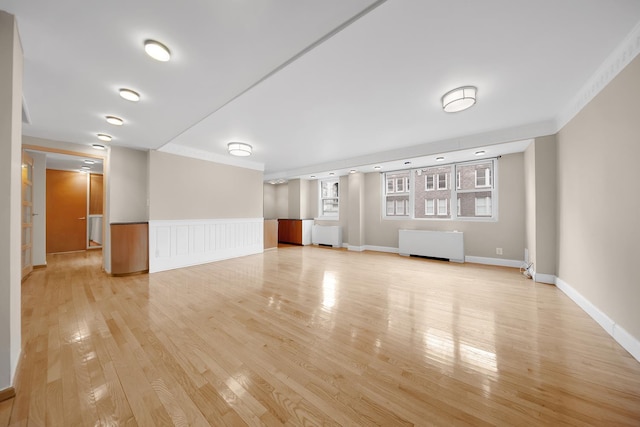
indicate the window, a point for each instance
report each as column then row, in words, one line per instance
column 329, row 198
column 442, row 206
column 483, row 176
column 429, row 207
column 442, row 181
column 483, row 206
column 397, row 194
column 472, row 194
column 391, row 186
column 429, row 182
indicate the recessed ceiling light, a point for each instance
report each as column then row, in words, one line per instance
column 331, row 173
column 89, row 162
column 104, row 137
column 459, row 99
column 352, row 171
column 480, row 153
column 439, row 159
column 239, row 149
column 377, row 167
column 115, row 120
column 312, row 176
column 130, row 95
column 85, row 168
column 157, row 50
column 99, row 146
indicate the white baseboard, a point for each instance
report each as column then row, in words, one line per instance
column 545, row 278
column 494, row 261
column 624, row 338
column 355, row 248
column 381, row 249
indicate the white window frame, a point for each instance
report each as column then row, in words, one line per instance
column 401, row 185
column 391, row 181
column 431, row 212
column 454, row 192
column 433, row 181
column 446, row 181
column 487, row 203
column 321, row 212
column 487, row 178
column 446, row 207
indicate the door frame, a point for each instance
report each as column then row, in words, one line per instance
column 106, row 244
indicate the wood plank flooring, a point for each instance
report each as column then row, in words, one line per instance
column 309, row 336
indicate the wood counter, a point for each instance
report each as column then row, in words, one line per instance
column 129, row 248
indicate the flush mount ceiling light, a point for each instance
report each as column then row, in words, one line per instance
column 99, row 146
column 352, row 171
column 377, row 167
column 104, row 137
column 157, row 50
column 480, row 153
column 115, row 120
column 239, row 149
column 459, row 99
column 129, row 95
column 439, row 159
column 85, row 168
column 89, row 162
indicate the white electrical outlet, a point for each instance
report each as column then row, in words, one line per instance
column 498, row 251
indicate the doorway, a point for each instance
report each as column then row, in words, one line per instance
column 69, row 199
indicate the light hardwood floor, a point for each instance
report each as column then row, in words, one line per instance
column 304, row 336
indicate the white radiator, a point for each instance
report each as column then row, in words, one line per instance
column 327, row 235
column 437, row 244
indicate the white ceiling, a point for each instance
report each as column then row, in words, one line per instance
column 312, row 85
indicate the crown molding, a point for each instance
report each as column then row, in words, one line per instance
column 194, row 153
column 610, row 68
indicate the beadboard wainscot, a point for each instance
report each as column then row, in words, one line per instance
column 182, row 243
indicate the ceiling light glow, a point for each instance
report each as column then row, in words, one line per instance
column 130, row 95
column 239, row 149
column 157, row 50
column 99, row 146
column 459, row 99
column 115, row 120
column 104, row 137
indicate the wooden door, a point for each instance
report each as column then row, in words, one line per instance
column 27, row 214
column 66, row 211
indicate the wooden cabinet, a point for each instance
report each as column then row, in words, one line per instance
column 270, row 233
column 295, row 231
column 129, row 248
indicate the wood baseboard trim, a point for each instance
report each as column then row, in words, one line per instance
column 129, row 274
column 7, row 393
column 39, row 267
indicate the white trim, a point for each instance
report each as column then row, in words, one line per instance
column 183, row 243
column 544, row 278
column 622, row 56
column 494, row 261
column 624, row 338
column 386, row 249
column 194, row 153
column 355, row 248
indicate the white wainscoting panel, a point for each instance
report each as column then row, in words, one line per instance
column 181, row 243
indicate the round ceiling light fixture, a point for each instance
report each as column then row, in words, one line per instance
column 115, row 120
column 129, row 95
column 439, row 159
column 459, row 99
column 239, row 149
column 99, row 146
column 104, row 137
column 157, row 50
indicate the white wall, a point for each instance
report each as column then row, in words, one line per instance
column 39, row 208
column 599, row 205
column 11, row 67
